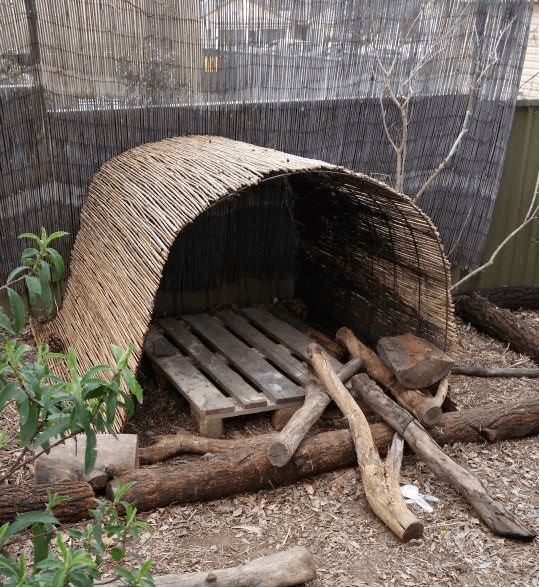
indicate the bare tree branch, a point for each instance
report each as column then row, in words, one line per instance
column 404, row 93
column 474, row 91
column 531, row 215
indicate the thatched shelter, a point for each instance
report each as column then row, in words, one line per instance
column 189, row 224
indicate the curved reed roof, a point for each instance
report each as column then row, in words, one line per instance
column 365, row 255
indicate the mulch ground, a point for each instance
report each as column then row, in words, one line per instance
column 329, row 514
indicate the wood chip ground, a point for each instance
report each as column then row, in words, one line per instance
column 329, row 514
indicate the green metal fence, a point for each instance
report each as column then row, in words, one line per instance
column 518, row 262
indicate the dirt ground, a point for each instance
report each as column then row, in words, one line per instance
column 329, row 514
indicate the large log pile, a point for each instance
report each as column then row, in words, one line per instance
column 285, row 457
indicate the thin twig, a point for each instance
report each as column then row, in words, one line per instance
column 531, row 215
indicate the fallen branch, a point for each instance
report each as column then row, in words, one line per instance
column 495, row 371
column 294, row 566
column 511, row 297
column 495, row 516
column 321, row 453
column 424, row 407
column 316, row 400
column 488, row 422
column 380, row 479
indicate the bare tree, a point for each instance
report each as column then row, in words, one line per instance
column 401, row 92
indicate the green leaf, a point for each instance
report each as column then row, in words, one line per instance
column 9, row 568
column 58, row 579
column 132, row 384
column 20, row 349
column 62, row 547
column 122, row 357
column 73, row 364
column 97, row 391
column 45, row 280
column 5, row 324
column 97, row 533
column 121, row 490
column 53, row 431
column 57, row 263
column 23, row 406
column 112, row 404
column 33, row 284
column 8, row 392
column 26, row 520
column 145, row 568
column 31, row 236
column 54, row 500
column 41, row 539
column 28, row 429
column 75, row 534
column 90, row 453
column 28, row 256
column 127, row 575
column 18, row 310
column 81, row 578
column 117, row 553
column 55, row 235
column 16, row 272
column 94, row 371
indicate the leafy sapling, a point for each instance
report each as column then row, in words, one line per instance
column 50, row 411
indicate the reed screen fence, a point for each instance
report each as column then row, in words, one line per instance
column 83, row 81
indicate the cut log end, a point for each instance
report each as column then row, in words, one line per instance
column 413, row 531
column 278, row 454
column 431, row 416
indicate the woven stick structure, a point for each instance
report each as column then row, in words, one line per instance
column 353, row 249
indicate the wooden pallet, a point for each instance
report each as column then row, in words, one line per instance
column 234, row 363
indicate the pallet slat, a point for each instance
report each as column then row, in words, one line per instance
column 203, row 395
column 212, row 365
column 286, row 334
column 245, row 359
column 274, row 352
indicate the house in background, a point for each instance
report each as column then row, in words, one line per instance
column 241, row 24
column 529, row 84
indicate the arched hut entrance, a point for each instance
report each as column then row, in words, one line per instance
column 193, row 224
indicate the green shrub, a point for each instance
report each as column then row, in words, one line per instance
column 51, row 410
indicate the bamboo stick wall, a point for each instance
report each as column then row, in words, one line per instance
column 356, row 251
column 81, row 82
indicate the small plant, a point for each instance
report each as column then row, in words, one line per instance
column 42, row 269
column 50, row 411
column 105, row 539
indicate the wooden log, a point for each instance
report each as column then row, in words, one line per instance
column 115, row 454
column 316, row 401
column 510, row 297
column 380, row 479
column 424, row 407
column 23, row 498
column 495, row 516
column 294, row 566
column 499, row 323
column 415, row 362
column 472, row 371
column 488, row 422
column 492, row 422
column 242, row 460
column 285, row 444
